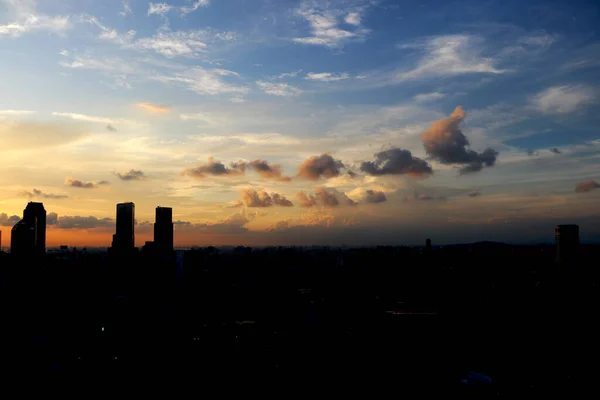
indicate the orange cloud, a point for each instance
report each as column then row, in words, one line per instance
column 155, row 108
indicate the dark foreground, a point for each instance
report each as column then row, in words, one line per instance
column 474, row 320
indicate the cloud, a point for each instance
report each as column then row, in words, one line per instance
column 126, row 9
column 280, row 200
column 235, row 204
column 326, row 197
column 205, row 81
column 445, row 142
column 325, row 25
column 555, row 150
column 353, row 18
column 474, row 193
column 86, row 118
column 586, row 186
column 327, row 76
column 292, row 74
column 563, row 99
column 213, row 167
column 306, row 200
column 263, row 168
column 531, row 152
column 5, row 220
column 262, row 139
column 278, row 89
column 279, row 226
column 449, row 55
column 204, row 117
column 164, row 8
column 158, row 8
column 27, row 20
column 69, row 181
column 189, row 43
column 39, row 193
column 132, row 175
column 195, row 5
column 374, row 196
column 155, row 108
column 260, row 198
column 233, row 224
column 110, row 128
column 16, row 112
column 25, row 134
column 77, row 222
column 317, row 167
column 396, row 161
column 52, row 218
column 109, row 34
column 109, row 65
column 426, row 97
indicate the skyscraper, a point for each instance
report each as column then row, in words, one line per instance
column 163, row 229
column 567, row 242
column 124, row 238
column 28, row 236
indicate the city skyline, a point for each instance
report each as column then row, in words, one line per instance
column 302, row 122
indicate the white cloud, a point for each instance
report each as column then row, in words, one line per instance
column 203, row 117
column 292, row 74
column 237, row 100
column 159, row 8
column 109, row 34
column 27, row 19
column 425, row 97
column 278, row 89
column 86, row 118
column 164, row 8
column 563, row 99
column 194, row 6
column 326, row 76
column 64, row 53
column 126, row 9
column 172, row 45
column 182, row 43
column 353, row 18
column 205, row 81
column 252, row 138
column 108, row 64
column 33, row 22
column 16, row 112
column 450, row 55
column 325, row 28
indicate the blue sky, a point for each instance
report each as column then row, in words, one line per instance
column 177, row 91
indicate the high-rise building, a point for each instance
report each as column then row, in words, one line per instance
column 428, row 244
column 163, row 229
column 124, row 238
column 28, row 236
column 567, row 242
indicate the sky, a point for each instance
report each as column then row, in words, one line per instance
column 280, row 122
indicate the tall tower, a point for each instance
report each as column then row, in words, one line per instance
column 163, row 229
column 567, row 242
column 428, row 244
column 28, row 236
column 124, row 238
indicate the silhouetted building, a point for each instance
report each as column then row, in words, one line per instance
column 28, row 236
column 163, row 230
column 428, row 244
column 148, row 247
column 567, row 242
column 124, row 238
column 0, row 241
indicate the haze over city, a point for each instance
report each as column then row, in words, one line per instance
column 302, row 122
